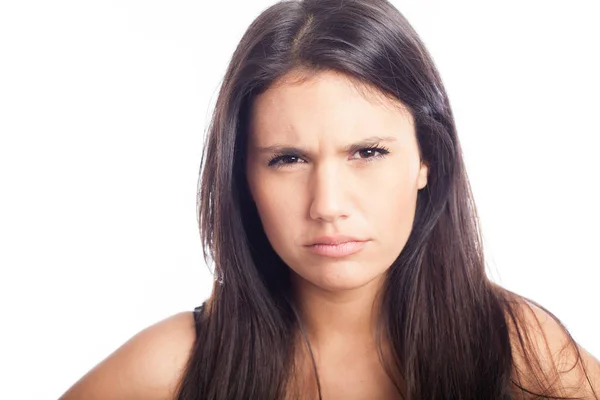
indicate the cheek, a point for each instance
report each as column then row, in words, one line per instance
column 392, row 208
column 274, row 212
column 277, row 208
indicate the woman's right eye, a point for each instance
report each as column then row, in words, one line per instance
column 281, row 160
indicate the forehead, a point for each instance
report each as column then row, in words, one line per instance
column 325, row 102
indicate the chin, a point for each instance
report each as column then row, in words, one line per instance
column 337, row 278
column 341, row 286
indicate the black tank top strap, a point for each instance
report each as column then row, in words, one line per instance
column 198, row 316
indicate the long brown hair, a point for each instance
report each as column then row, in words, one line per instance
column 452, row 332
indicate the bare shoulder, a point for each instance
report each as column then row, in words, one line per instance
column 147, row 366
column 551, row 352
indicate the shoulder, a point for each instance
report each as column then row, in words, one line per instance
column 548, row 350
column 148, row 366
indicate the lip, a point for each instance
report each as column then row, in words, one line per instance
column 337, row 239
column 337, row 250
column 336, row 246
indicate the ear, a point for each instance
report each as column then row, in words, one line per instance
column 423, row 173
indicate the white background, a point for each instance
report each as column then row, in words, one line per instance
column 103, row 107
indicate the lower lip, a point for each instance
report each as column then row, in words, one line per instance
column 337, row 250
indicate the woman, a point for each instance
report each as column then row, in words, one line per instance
column 335, row 204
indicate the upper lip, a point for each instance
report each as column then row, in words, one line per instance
column 337, row 239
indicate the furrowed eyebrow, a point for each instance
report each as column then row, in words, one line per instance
column 368, row 142
column 303, row 152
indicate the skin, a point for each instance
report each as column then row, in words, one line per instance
column 325, row 191
column 333, row 191
column 333, row 184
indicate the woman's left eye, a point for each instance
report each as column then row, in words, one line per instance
column 371, row 152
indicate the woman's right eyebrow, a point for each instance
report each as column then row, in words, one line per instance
column 278, row 148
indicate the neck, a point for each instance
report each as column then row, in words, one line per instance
column 337, row 317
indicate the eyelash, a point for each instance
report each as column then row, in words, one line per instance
column 382, row 150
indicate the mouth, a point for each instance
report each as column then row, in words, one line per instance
column 336, row 250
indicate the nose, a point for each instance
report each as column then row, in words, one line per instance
column 328, row 190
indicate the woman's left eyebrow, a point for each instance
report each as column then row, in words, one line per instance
column 368, row 142
column 304, row 152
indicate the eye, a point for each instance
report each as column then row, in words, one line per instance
column 369, row 153
column 366, row 154
column 283, row 159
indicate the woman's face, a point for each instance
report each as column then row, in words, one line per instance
column 326, row 159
